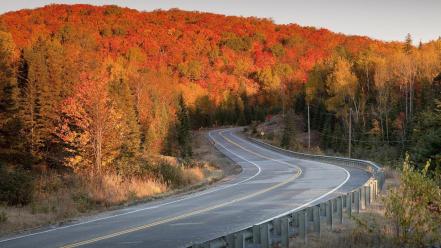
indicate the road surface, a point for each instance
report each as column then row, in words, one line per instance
column 270, row 184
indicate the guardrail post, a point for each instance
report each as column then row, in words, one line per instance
column 363, row 197
column 345, row 201
column 357, row 201
column 329, row 213
column 276, row 226
column 256, row 234
column 284, row 232
column 265, row 238
column 369, row 193
column 340, row 209
column 375, row 189
column 316, row 212
column 349, row 204
column 303, row 225
column 239, row 240
column 230, row 240
column 322, row 209
column 366, row 196
column 310, row 214
column 295, row 222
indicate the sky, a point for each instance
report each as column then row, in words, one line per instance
column 380, row 19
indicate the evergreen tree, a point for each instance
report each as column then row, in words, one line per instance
column 183, row 129
column 427, row 137
column 42, row 89
column 408, row 43
column 289, row 133
column 11, row 145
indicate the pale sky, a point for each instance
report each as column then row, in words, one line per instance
column 380, row 19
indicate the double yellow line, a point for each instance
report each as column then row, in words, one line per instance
column 134, row 229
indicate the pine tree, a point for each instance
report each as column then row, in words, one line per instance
column 11, row 144
column 183, row 129
column 42, row 89
column 289, row 133
column 408, row 43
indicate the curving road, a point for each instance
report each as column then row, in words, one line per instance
column 270, row 184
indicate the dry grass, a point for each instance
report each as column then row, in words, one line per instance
column 61, row 197
column 112, row 189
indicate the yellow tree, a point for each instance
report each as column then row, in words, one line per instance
column 342, row 87
column 383, row 86
column 90, row 126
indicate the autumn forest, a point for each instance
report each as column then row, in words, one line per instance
column 94, row 91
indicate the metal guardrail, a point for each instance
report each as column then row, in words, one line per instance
column 296, row 223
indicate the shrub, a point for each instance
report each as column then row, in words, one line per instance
column 3, row 217
column 414, row 208
column 172, row 175
column 16, row 187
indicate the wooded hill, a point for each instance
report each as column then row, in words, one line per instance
column 98, row 88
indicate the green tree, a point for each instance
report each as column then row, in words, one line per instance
column 183, row 129
column 427, row 137
column 289, row 132
column 11, row 143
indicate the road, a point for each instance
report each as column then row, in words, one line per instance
column 270, row 184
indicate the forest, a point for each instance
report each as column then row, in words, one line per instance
column 103, row 90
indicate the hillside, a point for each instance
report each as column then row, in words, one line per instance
column 100, row 87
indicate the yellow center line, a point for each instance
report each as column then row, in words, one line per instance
column 203, row 210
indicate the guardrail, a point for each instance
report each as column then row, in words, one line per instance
column 298, row 223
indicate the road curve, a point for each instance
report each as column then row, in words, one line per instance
column 270, row 184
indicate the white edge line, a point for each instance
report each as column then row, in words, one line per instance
column 151, row 207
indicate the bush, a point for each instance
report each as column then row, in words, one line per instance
column 16, row 187
column 172, row 175
column 3, row 217
column 414, row 208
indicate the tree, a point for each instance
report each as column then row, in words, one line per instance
column 427, row 137
column 90, row 126
column 408, row 47
column 42, row 93
column 123, row 99
column 289, row 132
column 183, row 129
column 342, row 87
column 384, row 98
column 11, row 140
